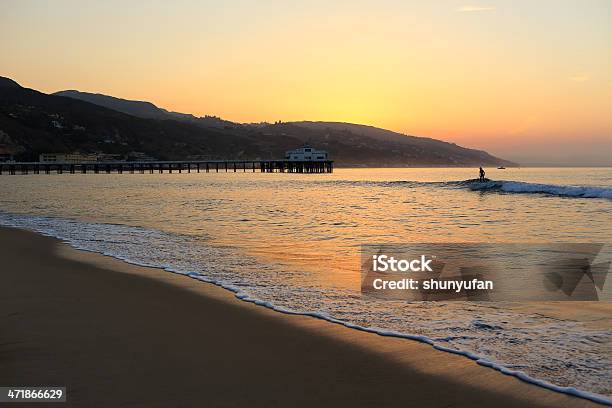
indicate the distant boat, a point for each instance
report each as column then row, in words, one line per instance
column 501, row 168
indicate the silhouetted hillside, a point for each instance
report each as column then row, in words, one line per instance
column 9, row 83
column 140, row 109
column 418, row 150
column 32, row 122
column 143, row 109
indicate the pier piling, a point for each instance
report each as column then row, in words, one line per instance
column 264, row 166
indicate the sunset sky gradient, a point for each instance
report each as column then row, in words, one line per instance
column 530, row 81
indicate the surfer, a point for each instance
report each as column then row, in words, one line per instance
column 482, row 174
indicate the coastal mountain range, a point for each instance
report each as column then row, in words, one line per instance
column 32, row 122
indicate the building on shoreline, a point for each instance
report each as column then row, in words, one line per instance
column 139, row 157
column 77, row 157
column 6, row 158
column 74, row 157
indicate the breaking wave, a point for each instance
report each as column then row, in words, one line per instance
column 548, row 189
column 504, row 186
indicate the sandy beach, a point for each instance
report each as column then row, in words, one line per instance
column 120, row 335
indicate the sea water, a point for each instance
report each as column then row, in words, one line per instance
column 291, row 242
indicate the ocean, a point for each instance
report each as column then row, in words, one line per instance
column 291, row 242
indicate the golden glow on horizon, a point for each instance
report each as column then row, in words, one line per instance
column 496, row 75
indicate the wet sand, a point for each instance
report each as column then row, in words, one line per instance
column 120, row 335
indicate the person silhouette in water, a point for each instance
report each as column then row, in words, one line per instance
column 482, row 174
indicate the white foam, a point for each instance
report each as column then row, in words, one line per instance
column 506, row 186
column 64, row 230
column 550, row 189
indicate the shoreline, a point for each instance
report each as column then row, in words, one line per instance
column 365, row 368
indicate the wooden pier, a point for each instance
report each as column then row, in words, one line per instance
column 151, row 167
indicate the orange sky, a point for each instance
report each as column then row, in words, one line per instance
column 529, row 81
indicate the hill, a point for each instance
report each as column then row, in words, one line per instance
column 140, row 109
column 409, row 149
column 8, row 83
column 32, row 122
column 143, row 109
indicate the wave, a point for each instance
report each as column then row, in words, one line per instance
column 547, row 189
column 504, row 186
column 152, row 248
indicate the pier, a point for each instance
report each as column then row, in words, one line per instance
column 151, row 167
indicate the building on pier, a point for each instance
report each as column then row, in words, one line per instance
column 306, row 153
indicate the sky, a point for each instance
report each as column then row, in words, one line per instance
column 530, row 81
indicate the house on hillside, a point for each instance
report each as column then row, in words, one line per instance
column 306, row 153
column 6, row 158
